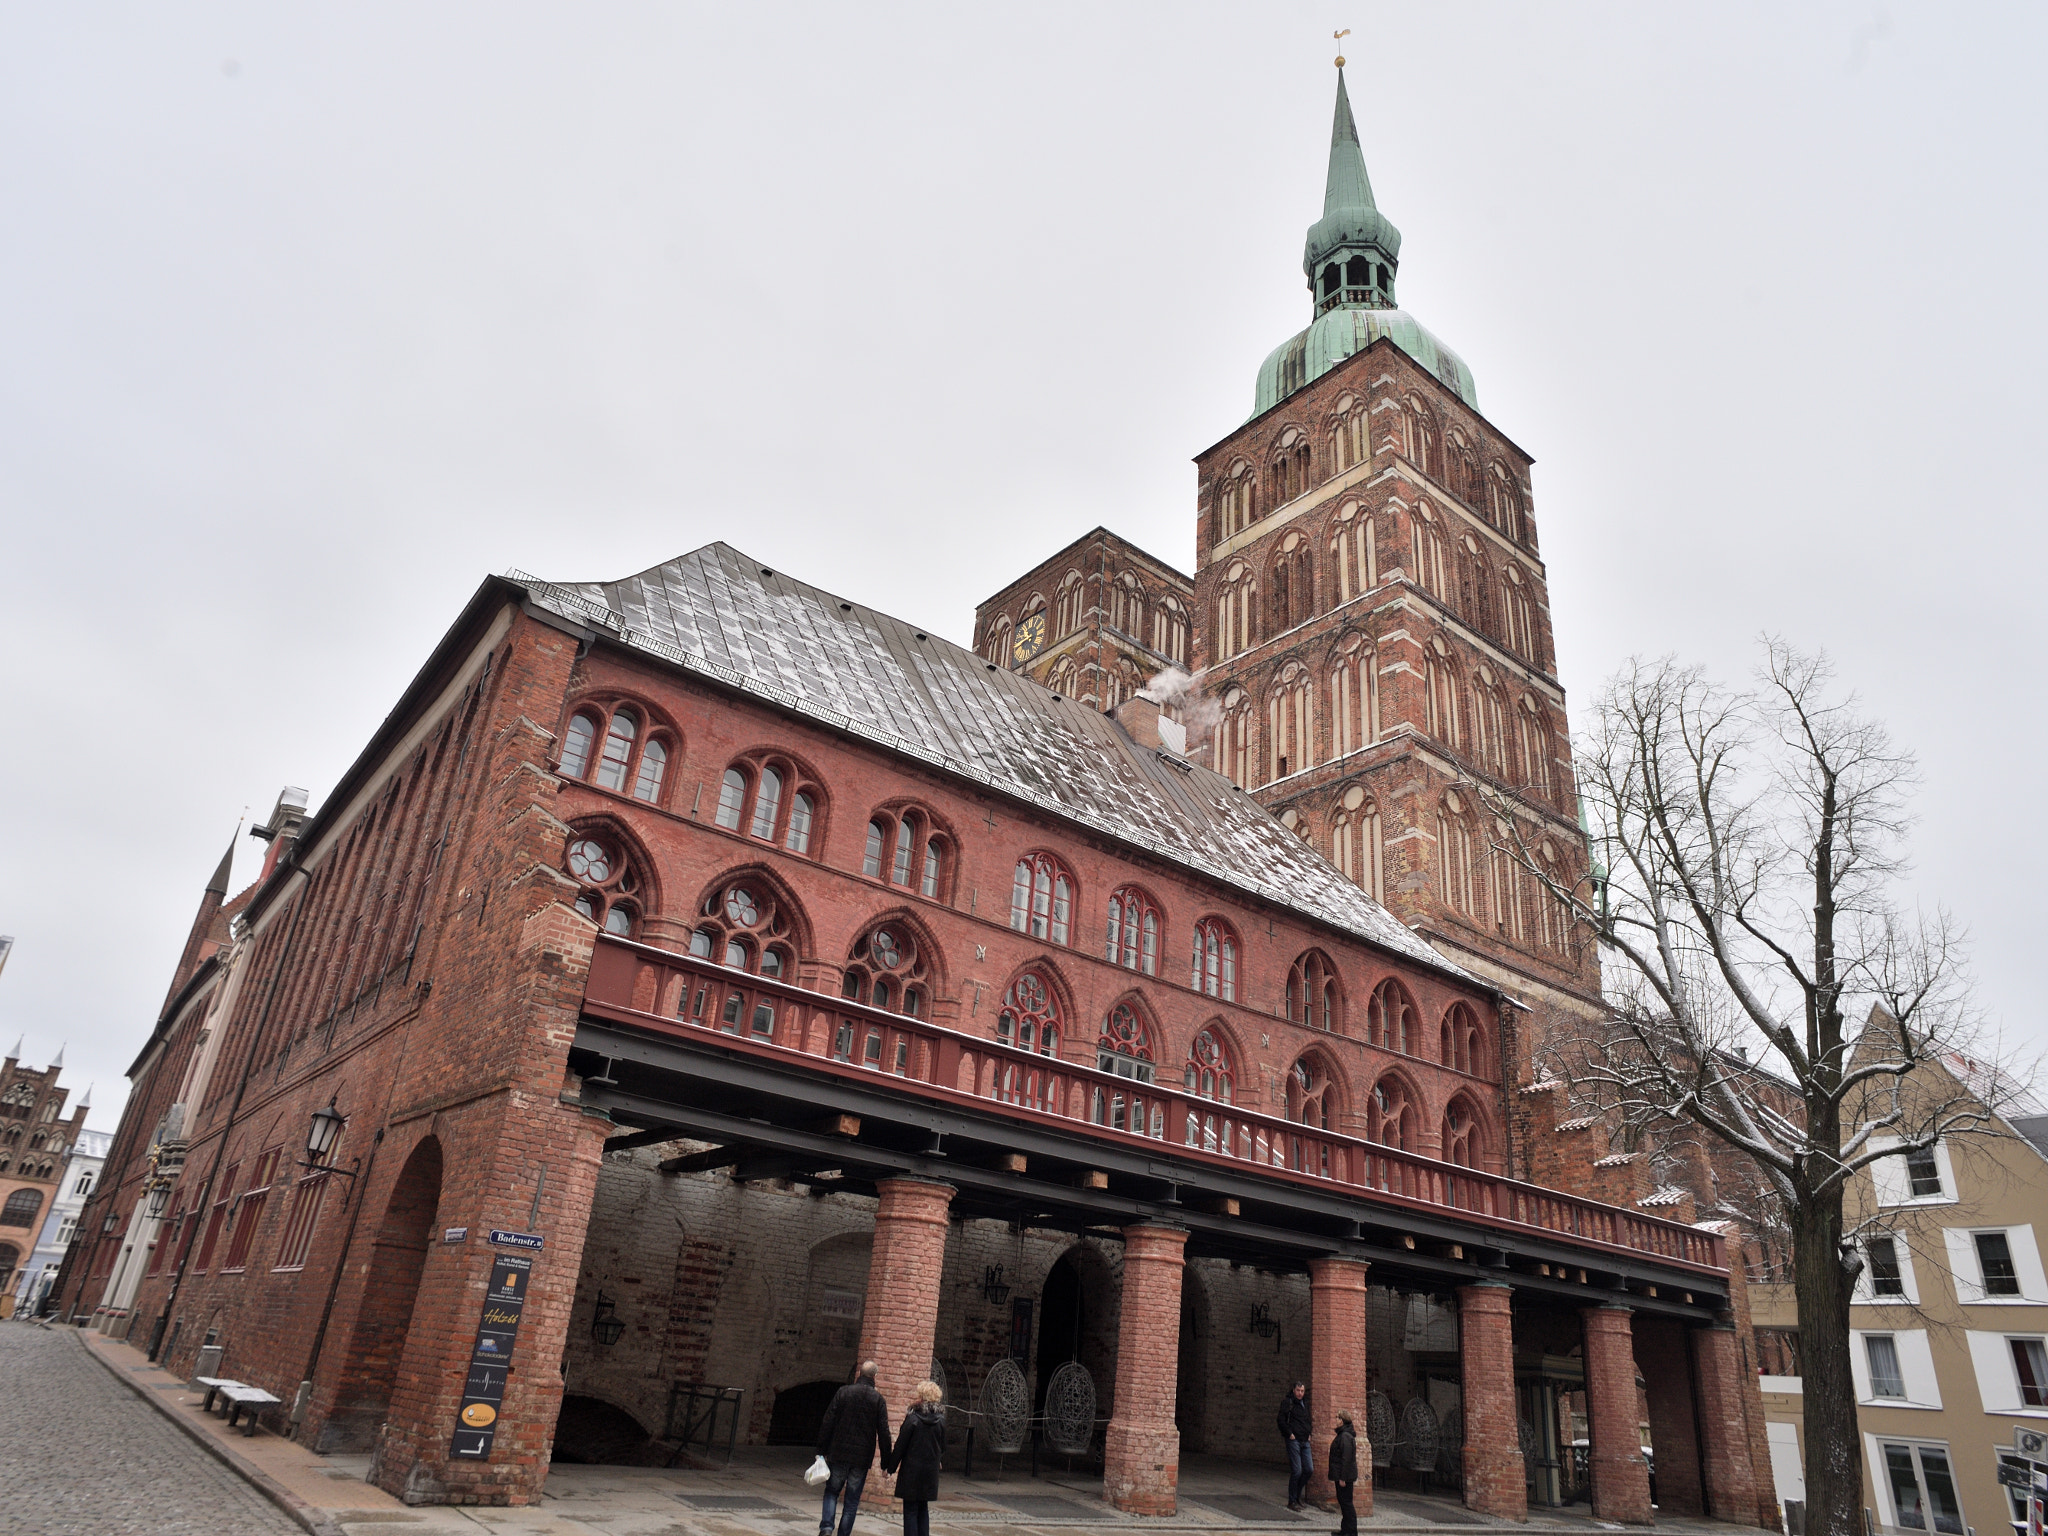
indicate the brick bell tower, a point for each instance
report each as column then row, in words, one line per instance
column 1372, row 623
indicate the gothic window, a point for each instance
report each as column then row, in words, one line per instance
column 1237, row 500
column 1463, row 1045
column 1354, row 696
column 1390, row 1018
column 1355, row 846
column 20, row 1209
column 770, row 799
column 1030, row 1018
column 1293, row 586
column 877, row 845
column 1133, row 940
column 1041, row 898
column 1292, row 466
column 1454, row 852
column 886, row 971
column 1461, row 1138
column 1215, row 968
column 1440, row 693
column 1209, row 1074
column 617, row 754
column 1353, row 556
column 1127, row 606
column 1236, row 611
column 1312, row 997
column 732, row 799
column 1462, row 468
column 1425, row 449
column 767, row 803
column 1391, row 1117
column 1475, row 588
column 1233, row 739
column 1506, row 502
column 1489, row 723
column 1519, row 614
column 1430, row 552
column 997, row 649
column 1291, row 723
column 1068, row 605
column 1311, row 1097
column 1534, row 729
column 742, row 925
column 1553, row 918
column 803, row 811
column 1350, row 443
column 1063, row 679
column 1124, row 1046
column 610, row 885
column 1170, row 629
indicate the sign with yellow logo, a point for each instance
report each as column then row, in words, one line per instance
column 490, row 1360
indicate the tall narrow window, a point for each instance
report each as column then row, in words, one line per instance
column 1923, row 1488
column 878, row 841
column 1041, row 898
column 906, row 850
column 1133, row 940
column 1215, row 968
column 1389, row 1018
column 1886, row 1278
column 1312, row 991
column 732, row 799
column 1923, row 1174
column 576, row 748
column 653, row 764
column 1994, row 1263
column 2030, row 1366
column 618, row 749
column 767, row 803
column 929, row 885
column 1886, row 1379
column 798, row 839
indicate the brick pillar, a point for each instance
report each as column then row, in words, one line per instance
column 1141, row 1452
column 901, row 1316
column 1621, row 1483
column 1495, row 1478
column 1724, row 1432
column 1336, row 1372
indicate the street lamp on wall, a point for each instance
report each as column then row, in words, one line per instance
column 159, row 1198
column 323, row 1133
column 606, row 1326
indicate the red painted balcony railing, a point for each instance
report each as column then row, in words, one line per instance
column 756, row 1015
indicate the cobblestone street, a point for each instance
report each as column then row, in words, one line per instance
column 80, row 1455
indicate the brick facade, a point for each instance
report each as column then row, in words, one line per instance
column 1141, row 1451
column 1486, row 1348
column 1337, row 1375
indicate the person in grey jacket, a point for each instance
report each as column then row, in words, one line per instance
column 856, row 1427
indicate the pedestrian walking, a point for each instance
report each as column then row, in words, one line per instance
column 856, row 1427
column 920, row 1448
column 1344, row 1472
column 1295, row 1428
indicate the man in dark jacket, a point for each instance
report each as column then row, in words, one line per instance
column 1344, row 1472
column 1295, row 1428
column 856, row 1427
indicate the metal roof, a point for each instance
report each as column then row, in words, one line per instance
column 720, row 614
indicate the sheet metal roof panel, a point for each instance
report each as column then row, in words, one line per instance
column 716, row 611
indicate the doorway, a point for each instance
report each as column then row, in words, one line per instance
column 398, row 1256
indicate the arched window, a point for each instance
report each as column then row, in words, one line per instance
column 1553, row 917
column 610, row 895
column 1489, row 723
column 1292, row 469
column 1293, row 586
column 1534, row 730
column 1390, row 1018
column 1237, row 603
column 802, row 810
column 1454, row 852
column 878, row 843
column 767, row 804
column 1425, row 448
column 1391, row 1116
column 1232, row 740
column 1463, row 468
column 1125, row 1047
column 997, row 646
column 885, row 970
column 1068, row 605
column 1354, row 553
column 1237, row 500
column 629, row 753
column 1063, row 679
column 1215, row 968
column 1507, row 502
column 1312, row 997
column 732, row 799
column 1127, row 606
column 767, row 796
column 1464, row 1046
column 1431, row 561
column 1350, row 443
column 1170, row 629
column 1041, row 898
column 906, row 850
column 1440, row 693
column 903, row 848
column 1209, row 1073
column 1355, row 846
column 1291, row 723
column 1461, row 1135
column 1354, row 696
column 1030, row 1017
column 1475, row 588
column 742, row 925
column 1311, row 1098
column 1519, row 631
column 21, row 1207
column 1133, row 940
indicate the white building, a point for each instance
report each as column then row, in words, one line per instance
column 81, row 1174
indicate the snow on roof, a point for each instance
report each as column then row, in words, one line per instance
column 718, row 613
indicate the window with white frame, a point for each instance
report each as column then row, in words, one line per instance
column 1916, row 1176
column 1887, row 1277
column 1915, row 1479
column 2012, row 1371
column 1996, row 1266
column 1894, row 1369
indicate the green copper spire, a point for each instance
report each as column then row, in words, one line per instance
column 1353, row 249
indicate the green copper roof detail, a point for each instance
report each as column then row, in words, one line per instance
column 1334, row 336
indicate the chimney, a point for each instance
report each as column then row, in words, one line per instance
column 1140, row 717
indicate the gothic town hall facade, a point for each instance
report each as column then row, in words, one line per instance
column 701, row 983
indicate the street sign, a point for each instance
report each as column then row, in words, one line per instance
column 503, row 1239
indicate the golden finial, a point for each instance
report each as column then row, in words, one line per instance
column 1340, row 36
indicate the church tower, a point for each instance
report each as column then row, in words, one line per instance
column 1372, row 625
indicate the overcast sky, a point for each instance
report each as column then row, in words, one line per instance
column 311, row 316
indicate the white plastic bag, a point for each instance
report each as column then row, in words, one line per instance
column 817, row 1472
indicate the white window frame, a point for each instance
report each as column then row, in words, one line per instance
column 1881, row 1482
column 1998, row 1381
column 1916, row 1368
column 1865, row 1296
column 1891, row 1185
column 1961, row 1243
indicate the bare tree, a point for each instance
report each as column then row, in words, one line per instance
column 1751, row 848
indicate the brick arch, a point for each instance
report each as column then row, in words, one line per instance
column 801, row 935
column 1245, row 1087
column 379, row 1340
column 1148, row 1017
column 1315, row 992
column 1464, row 1042
column 607, row 824
column 928, row 947
column 1060, row 989
column 602, row 701
column 1393, row 1022
column 1465, row 1133
column 1398, row 1095
column 1329, row 1084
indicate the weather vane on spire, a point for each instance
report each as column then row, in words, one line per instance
column 1340, row 36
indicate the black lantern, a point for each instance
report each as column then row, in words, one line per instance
column 159, row 1198
column 113, row 1220
column 1262, row 1322
column 607, row 1327
column 993, row 1290
column 324, row 1132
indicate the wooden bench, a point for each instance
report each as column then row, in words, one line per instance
column 235, row 1395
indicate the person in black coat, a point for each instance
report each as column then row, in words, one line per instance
column 920, row 1448
column 856, row 1427
column 1295, row 1428
column 1344, row 1472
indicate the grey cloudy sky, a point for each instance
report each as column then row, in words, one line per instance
column 310, row 316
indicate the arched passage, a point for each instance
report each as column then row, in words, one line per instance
column 1191, row 1384
column 398, row 1254
column 1077, row 1321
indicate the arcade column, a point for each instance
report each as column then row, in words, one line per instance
column 1621, row 1481
column 1336, row 1372
column 901, row 1317
column 1495, row 1478
column 1724, row 1429
column 1141, row 1455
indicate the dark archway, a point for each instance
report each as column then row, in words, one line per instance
column 1077, row 1321
column 1191, row 1385
column 398, row 1255
column 593, row 1431
column 800, row 1410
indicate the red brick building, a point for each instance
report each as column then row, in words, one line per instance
column 701, row 982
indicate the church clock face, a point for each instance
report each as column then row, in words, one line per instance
column 1030, row 638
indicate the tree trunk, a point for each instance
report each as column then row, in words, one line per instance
column 1834, row 1455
